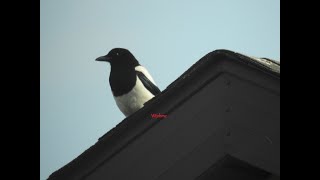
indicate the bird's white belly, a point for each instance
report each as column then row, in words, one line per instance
column 134, row 100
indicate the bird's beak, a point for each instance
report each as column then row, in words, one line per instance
column 103, row 58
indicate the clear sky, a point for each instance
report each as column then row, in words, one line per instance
column 166, row 36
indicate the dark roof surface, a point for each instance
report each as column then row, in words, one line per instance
column 136, row 125
column 229, row 168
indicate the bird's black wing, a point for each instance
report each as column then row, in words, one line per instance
column 148, row 84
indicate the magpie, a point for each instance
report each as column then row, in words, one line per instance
column 131, row 84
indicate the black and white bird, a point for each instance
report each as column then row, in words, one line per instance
column 131, row 83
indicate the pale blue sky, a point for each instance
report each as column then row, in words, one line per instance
column 166, row 36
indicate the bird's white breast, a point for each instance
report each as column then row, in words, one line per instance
column 134, row 100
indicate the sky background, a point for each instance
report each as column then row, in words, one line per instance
column 167, row 37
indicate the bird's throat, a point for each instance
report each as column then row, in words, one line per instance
column 122, row 80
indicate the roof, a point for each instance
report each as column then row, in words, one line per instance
column 136, row 125
column 228, row 168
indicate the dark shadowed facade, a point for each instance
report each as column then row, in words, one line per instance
column 223, row 122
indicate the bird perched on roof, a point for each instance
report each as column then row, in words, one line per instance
column 131, row 83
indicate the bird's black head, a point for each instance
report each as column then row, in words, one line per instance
column 119, row 56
